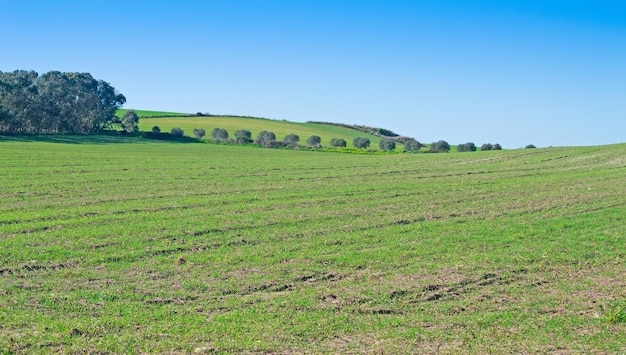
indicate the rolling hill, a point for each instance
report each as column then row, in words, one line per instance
column 187, row 122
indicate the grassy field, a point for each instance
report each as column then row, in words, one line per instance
column 254, row 125
column 126, row 245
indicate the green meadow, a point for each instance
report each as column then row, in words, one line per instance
column 168, row 120
column 127, row 245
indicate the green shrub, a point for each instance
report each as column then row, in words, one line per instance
column 486, row 146
column 467, row 147
column 219, row 134
column 177, row 132
column 387, row 144
column 291, row 140
column 361, row 143
column 496, row 147
column 338, row 143
column 314, row 141
column 264, row 137
column 439, row 147
column 530, row 146
column 199, row 133
column 411, row 145
column 156, row 130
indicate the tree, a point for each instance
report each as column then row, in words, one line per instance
column 219, row 134
column 156, row 130
column 439, row 147
column 314, row 141
column 530, row 146
column 467, row 147
column 57, row 102
column 199, row 133
column 243, row 136
column 486, row 146
column 338, row 142
column 387, row 144
column 361, row 143
column 177, row 132
column 129, row 121
column 265, row 137
column 291, row 139
column 496, row 147
column 411, row 145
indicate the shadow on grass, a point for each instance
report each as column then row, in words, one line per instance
column 101, row 138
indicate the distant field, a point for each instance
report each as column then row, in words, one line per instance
column 147, row 113
column 124, row 245
column 254, row 125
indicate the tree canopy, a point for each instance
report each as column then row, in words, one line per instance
column 56, row 102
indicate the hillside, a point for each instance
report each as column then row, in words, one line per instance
column 168, row 120
column 126, row 245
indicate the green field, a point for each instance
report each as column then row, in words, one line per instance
column 254, row 125
column 124, row 245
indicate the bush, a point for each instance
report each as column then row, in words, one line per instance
column 439, row 147
column 199, row 133
column 219, row 134
column 177, row 132
column 467, row 147
column 129, row 121
column 530, row 146
column 265, row 136
column 361, row 143
column 486, row 146
column 338, row 143
column 411, row 145
column 291, row 139
column 496, row 147
column 243, row 133
column 314, row 141
column 387, row 144
column 275, row 144
column 156, row 130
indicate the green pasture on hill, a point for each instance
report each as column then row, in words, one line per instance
column 127, row 245
column 254, row 125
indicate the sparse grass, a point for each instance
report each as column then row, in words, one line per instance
column 151, row 247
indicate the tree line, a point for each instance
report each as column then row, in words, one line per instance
column 58, row 102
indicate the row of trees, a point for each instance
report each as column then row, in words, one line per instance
column 268, row 139
column 58, row 102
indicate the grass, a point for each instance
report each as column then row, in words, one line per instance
column 168, row 120
column 148, row 247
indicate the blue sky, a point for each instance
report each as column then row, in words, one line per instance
column 548, row 72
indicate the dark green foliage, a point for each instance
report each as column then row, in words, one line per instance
column 243, row 136
column 243, row 133
column 199, row 133
column 291, row 139
column 440, row 147
column 219, row 134
column 129, row 121
column 314, row 141
column 338, row 142
column 177, row 132
column 530, row 146
column 361, row 143
column 486, row 146
column 56, row 102
column 276, row 144
column 496, row 147
column 411, row 145
column 387, row 144
column 264, row 136
column 467, row 147
column 156, row 130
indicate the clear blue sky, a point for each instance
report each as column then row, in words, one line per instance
column 514, row 72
